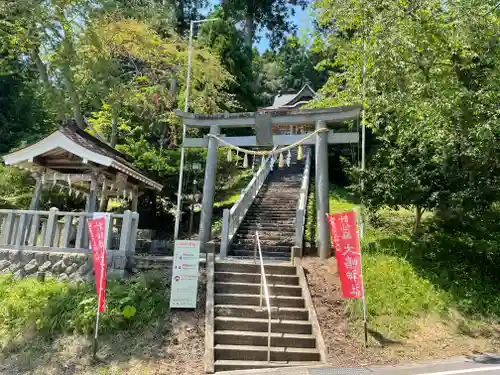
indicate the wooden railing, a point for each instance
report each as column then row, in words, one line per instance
column 61, row 231
column 232, row 218
column 300, row 214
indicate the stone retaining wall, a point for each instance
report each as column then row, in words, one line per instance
column 75, row 267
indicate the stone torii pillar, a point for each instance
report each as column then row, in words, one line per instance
column 209, row 188
column 322, row 204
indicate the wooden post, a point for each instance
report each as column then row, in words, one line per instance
column 133, row 233
column 92, row 197
column 51, row 226
column 21, row 230
column 66, row 231
column 224, row 239
column 125, row 232
column 80, row 232
column 104, row 197
column 35, row 202
column 135, row 199
column 33, row 235
column 7, row 227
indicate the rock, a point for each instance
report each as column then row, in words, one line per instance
column 54, row 258
column 19, row 274
column 31, row 267
column 62, row 277
column 27, row 256
column 4, row 255
column 15, row 256
column 67, row 260
column 4, row 264
column 84, row 269
column 69, row 270
column 58, row 267
column 45, row 266
column 15, row 267
column 41, row 258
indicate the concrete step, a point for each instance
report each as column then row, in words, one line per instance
column 263, row 247
column 248, row 254
column 232, row 365
column 252, row 228
column 266, row 220
column 259, row 353
column 271, row 269
column 228, row 323
column 274, row 212
column 254, row 300
column 264, row 241
column 269, row 237
column 242, row 277
column 241, row 311
column 260, row 338
column 245, row 288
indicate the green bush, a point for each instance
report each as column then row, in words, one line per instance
column 54, row 307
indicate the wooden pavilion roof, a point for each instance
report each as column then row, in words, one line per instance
column 73, row 153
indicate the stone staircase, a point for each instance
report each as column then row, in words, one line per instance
column 241, row 326
column 272, row 214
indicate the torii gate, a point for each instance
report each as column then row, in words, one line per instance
column 262, row 123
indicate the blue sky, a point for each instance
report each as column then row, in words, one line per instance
column 301, row 18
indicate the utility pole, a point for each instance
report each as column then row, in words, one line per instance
column 186, row 107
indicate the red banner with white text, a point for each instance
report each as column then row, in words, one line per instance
column 343, row 230
column 97, row 235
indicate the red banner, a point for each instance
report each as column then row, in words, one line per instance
column 97, row 235
column 343, row 230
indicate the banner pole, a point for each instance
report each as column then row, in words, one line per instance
column 365, row 326
column 99, row 296
column 95, row 335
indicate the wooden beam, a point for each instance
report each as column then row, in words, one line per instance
column 281, row 140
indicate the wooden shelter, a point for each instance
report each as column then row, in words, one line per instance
column 74, row 159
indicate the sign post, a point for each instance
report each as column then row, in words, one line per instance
column 97, row 236
column 345, row 239
column 184, row 286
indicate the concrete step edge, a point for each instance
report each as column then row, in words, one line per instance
column 253, row 307
column 256, row 285
column 256, row 296
column 264, row 334
column 277, row 349
column 262, row 320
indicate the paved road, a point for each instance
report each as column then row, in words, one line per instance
column 476, row 365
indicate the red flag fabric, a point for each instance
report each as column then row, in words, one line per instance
column 343, row 230
column 97, row 235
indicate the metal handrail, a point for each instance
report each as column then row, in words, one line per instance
column 263, row 287
column 300, row 214
column 232, row 218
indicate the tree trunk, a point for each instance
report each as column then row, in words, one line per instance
column 41, row 69
column 418, row 219
column 114, row 133
column 249, row 30
column 68, row 77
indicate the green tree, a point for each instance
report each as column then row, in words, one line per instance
column 272, row 15
column 430, row 88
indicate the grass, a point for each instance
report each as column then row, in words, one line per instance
column 45, row 310
column 228, row 196
column 448, row 275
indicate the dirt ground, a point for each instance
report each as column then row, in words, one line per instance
column 174, row 347
column 429, row 338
